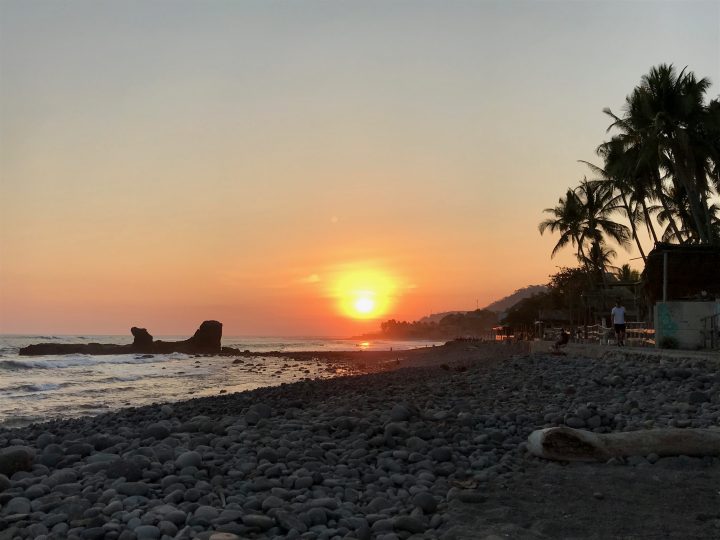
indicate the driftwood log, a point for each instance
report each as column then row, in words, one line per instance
column 567, row 444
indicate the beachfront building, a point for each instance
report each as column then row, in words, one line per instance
column 682, row 287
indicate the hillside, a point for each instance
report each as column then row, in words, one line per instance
column 502, row 305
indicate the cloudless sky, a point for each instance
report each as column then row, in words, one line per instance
column 162, row 163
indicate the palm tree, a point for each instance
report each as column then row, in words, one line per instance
column 599, row 203
column 584, row 219
column 566, row 219
column 625, row 274
column 614, row 174
column 667, row 124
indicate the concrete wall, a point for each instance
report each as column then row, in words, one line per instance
column 683, row 321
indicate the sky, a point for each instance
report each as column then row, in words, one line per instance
column 163, row 163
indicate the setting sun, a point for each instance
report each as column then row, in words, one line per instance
column 364, row 294
column 365, row 304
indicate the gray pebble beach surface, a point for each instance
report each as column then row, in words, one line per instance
column 423, row 452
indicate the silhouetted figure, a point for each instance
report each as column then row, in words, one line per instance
column 564, row 339
column 618, row 319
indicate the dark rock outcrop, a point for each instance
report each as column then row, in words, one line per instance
column 206, row 340
column 143, row 340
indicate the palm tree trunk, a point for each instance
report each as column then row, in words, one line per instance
column 693, row 195
column 648, row 222
column 632, row 226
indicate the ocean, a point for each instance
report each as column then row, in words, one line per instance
column 39, row 388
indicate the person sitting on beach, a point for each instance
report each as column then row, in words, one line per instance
column 564, row 339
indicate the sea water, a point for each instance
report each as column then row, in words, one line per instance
column 38, row 388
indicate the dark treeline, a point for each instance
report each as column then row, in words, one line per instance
column 571, row 299
column 476, row 323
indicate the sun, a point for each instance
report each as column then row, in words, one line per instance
column 364, row 304
column 364, row 294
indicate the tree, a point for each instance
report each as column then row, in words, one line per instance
column 566, row 219
column 625, row 274
column 672, row 135
column 584, row 219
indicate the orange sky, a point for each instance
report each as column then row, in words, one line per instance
column 160, row 167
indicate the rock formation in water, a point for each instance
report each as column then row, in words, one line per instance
column 206, row 340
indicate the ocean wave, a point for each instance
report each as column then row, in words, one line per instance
column 34, row 387
column 84, row 360
column 19, row 421
column 128, row 378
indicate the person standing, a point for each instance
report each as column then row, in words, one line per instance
column 618, row 318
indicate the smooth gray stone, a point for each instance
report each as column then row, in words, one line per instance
column 441, row 454
column 425, row 501
column 44, row 439
column 16, row 458
column 188, row 459
column 17, row 505
column 268, row 454
column 271, row 502
column 62, row 476
column 317, row 516
column 324, row 502
column 400, row 413
column 4, row 483
column 93, row 533
column 149, row 532
column 408, row 523
column 110, row 509
column 574, row 422
column 132, row 488
column 157, row 431
column 81, row 449
column 258, row 521
column 289, row 521
column 167, row 528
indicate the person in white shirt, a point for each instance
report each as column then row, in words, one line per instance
column 618, row 319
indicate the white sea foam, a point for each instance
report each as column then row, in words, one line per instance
column 60, row 362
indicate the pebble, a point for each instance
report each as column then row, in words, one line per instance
column 188, row 459
column 16, row 458
column 17, row 505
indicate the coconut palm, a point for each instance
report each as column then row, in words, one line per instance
column 598, row 204
column 667, row 123
column 625, row 274
column 566, row 219
column 616, row 176
column 584, row 219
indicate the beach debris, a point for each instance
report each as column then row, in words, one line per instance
column 567, row 444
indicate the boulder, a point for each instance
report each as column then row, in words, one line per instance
column 143, row 341
column 207, row 337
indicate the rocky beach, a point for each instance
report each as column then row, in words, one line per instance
column 432, row 444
